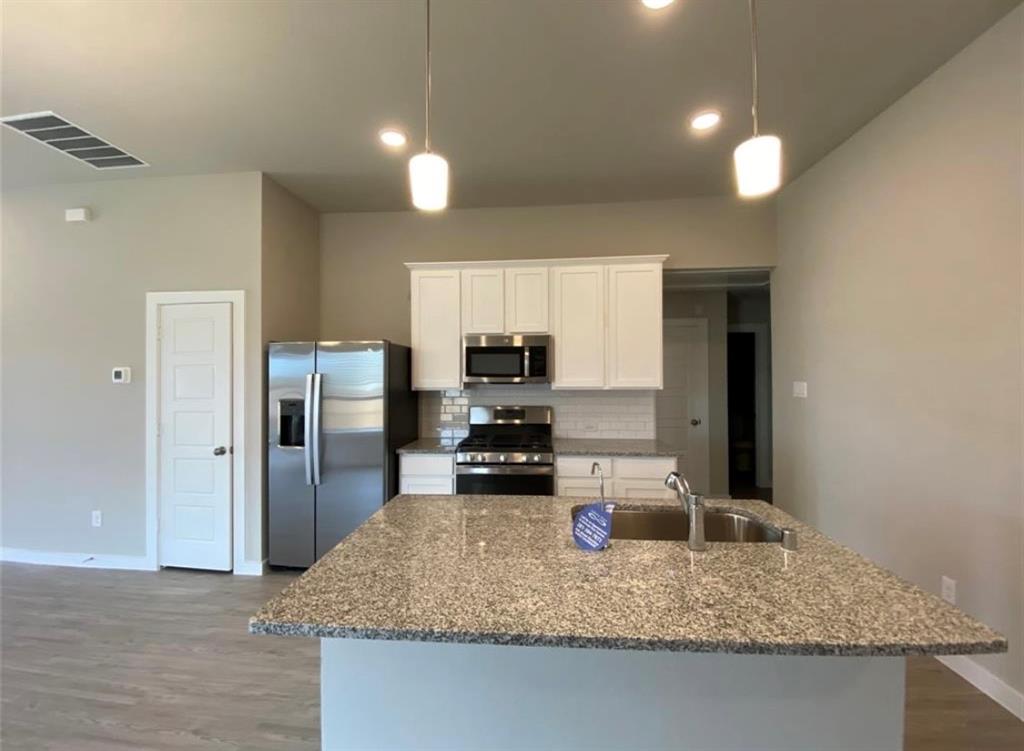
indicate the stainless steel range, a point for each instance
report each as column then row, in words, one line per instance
column 507, row 452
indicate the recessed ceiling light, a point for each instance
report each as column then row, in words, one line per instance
column 705, row 120
column 392, row 138
column 657, row 4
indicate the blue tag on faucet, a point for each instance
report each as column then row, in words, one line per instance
column 593, row 526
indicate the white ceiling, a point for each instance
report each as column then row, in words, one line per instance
column 535, row 101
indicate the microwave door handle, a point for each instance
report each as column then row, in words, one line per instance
column 317, row 413
column 526, row 362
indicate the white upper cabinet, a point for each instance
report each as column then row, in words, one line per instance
column 578, row 307
column 634, row 326
column 436, row 322
column 604, row 316
column 483, row 301
column 526, row 300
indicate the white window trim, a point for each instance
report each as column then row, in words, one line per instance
column 238, row 487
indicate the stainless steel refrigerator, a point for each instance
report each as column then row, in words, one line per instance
column 337, row 411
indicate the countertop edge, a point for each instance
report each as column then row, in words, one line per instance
column 264, row 628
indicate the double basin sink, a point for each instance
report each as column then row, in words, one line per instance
column 672, row 524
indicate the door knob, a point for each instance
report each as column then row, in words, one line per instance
column 220, row 451
column 695, row 422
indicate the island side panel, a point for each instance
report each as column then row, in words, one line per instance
column 403, row 694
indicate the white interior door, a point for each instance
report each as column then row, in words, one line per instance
column 682, row 405
column 194, row 440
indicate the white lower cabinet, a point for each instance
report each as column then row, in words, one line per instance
column 426, row 474
column 426, row 485
column 635, row 488
column 624, row 477
column 579, row 486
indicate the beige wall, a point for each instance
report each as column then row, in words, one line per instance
column 897, row 297
column 290, row 271
column 289, row 280
column 74, row 302
column 365, row 287
column 710, row 305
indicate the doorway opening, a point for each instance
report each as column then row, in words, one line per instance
column 749, row 389
column 715, row 408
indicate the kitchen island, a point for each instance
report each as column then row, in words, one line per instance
column 474, row 622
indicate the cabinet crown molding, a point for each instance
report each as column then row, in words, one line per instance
column 583, row 261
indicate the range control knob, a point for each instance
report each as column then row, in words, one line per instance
column 502, row 458
column 478, row 458
column 536, row 457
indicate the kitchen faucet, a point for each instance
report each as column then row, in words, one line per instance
column 595, row 468
column 693, row 507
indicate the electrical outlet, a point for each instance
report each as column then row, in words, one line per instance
column 800, row 389
column 949, row 590
column 97, row 518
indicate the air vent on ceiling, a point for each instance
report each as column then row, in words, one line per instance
column 63, row 135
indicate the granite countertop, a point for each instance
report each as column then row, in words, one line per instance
column 504, row 570
column 612, row 447
column 562, row 446
column 430, row 446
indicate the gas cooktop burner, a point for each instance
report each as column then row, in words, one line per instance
column 507, row 435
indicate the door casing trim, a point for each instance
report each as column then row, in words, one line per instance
column 238, row 486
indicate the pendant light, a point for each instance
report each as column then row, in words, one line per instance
column 758, row 159
column 428, row 172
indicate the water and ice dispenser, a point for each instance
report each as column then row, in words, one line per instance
column 292, row 423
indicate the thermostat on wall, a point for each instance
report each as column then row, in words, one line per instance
column 121, row 374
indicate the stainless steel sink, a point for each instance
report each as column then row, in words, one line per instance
column 673, row 524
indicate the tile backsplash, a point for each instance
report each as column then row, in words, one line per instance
column 578, row 414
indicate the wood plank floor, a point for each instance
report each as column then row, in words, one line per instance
column 133, row 660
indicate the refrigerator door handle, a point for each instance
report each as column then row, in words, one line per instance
column 317, row 429
column 307, row 438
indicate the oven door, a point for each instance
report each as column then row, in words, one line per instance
column 502, row 480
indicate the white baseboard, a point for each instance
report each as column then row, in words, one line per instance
column 77, row 560
column 251, row 568
column 987, row 682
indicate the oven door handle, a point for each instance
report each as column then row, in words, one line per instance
column 511, row 469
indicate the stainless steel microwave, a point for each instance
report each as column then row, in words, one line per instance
column 500, row 358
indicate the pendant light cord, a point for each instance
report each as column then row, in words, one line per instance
column 754, row 64
column 428, row 79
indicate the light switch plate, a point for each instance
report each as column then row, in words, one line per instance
column 800, row 389
column 949, row 590
column 121, row 374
